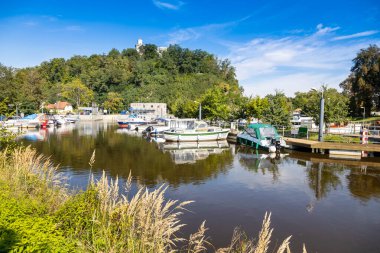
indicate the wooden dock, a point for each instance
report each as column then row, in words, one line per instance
column 322, row 147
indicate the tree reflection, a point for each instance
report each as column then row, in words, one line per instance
column 364, row 183
column 119, row 154
column 322, row 178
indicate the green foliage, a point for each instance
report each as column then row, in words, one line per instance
column 25, row 226
column 363, row 84
column 75, row 216
column 175, row 74
column 214, row 104
column 76, row 92
column 278, row 111
column 7, row 140
column 336, row 105
column 256, row 107
column 114, row 102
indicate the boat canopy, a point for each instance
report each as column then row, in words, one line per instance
column 31, row 116
column 262, row 131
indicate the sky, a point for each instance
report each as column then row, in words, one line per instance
column 274, row 45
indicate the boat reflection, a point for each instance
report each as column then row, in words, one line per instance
column 191, row 152
column 259, row 160
column 33, row 135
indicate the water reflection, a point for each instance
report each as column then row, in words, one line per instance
column 364, row 183
column 191, row 152
column 331, row 205
column 120, row 152
column 256, row 161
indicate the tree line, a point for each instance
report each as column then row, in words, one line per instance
column 183, row 79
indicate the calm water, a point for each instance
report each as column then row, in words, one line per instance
column 326, row 204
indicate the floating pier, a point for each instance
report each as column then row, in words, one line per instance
column 330, row 147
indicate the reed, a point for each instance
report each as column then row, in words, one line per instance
column 33, row 175
column 101, row 219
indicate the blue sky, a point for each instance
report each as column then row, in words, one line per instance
column 284, row 45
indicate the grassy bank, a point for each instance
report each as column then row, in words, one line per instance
column 39, row 214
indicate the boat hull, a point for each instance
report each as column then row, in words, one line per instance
column 250, row 141
column 196, row 136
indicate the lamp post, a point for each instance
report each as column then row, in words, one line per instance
column 321, row 114
column 200, row 109
column 363, row 113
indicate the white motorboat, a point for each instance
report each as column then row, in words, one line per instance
column 198, row 131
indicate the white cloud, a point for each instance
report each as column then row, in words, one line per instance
column 293, row 63
column 324, row 30
column 355, row 35
column 166, row 5
column 194, row 33
column 290, row 83
column 183, row 35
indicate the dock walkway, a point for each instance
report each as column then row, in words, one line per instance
column 317, row 146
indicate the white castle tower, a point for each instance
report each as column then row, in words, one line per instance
column 139, row 45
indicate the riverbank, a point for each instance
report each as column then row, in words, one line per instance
column 38, row 213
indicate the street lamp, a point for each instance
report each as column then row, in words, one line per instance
column 321, row 114
column 200, row 109
column 363, row 113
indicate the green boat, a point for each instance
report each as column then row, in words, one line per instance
column 263, row 136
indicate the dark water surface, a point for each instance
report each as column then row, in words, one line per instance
column 329, row 205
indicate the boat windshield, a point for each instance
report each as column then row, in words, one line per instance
column 251, row 132
column 268, row 132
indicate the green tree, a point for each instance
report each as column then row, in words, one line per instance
column 363, row 84
column 114, row 102
column 214, row 104
column 256, row 107
column 278, row 111
column 336, row 104
column 76, row 92
column 149, row 51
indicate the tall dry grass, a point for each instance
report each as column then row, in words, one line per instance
column 145, row 222
column 240, row 243
column 101, row 219
column 27, row 172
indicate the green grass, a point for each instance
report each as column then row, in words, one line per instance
column 335, row 138
column 360, row 119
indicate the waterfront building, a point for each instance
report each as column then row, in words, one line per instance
column 149, row 110
column 60, row 107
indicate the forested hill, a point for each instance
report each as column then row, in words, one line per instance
column 177, row 77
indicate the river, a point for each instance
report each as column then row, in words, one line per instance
column 329, row 205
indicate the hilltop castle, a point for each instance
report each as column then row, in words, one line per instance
column 140, row 43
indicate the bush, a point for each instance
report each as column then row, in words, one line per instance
column 27, row 227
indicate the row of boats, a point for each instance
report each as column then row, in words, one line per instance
column 38, row 120
column 191, row 130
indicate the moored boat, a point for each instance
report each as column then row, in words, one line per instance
column 157, row 130
column 132, row 119
column 261, row 136
column 198, row 131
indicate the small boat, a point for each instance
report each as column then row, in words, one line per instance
column 131, row 119
column 261, row 136
column 198, row 131
column 32, row 121
column 72, row 118
column 157, row 130
column 12, row 121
